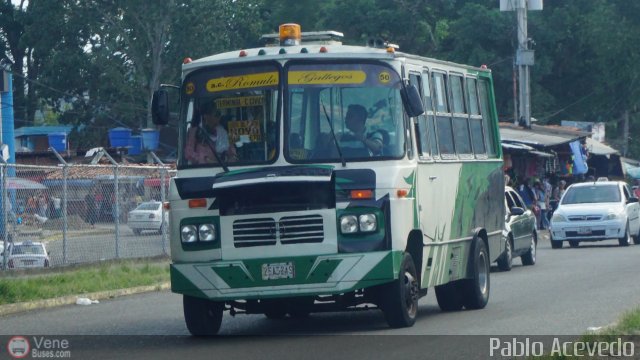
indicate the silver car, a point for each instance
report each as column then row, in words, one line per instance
column 596, row 211
column 148, row 216
column 521, row 236
column 26, row 254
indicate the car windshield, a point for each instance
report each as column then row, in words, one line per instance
column 27, row 250
column 148, row 206
column 592, row 194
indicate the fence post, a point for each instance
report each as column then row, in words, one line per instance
column 117, row 212
column 4, row 214
column 163, row 197
column 65, row 173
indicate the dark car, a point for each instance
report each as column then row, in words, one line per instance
column 521, row 236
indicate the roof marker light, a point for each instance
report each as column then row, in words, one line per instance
column 243, row 53
column 187, row 60
column 282, row 51
column 391, row 50
column 323, row 49
column 262, row 52
column 304, row 51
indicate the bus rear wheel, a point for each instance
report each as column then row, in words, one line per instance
column 400, row 298
column 203, row 317
column 476, row 289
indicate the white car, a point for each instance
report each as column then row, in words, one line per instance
column 148, row 216
column 26, row 254
column 594, row 211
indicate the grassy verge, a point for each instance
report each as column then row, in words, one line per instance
column 16, row 287
column 625, row 330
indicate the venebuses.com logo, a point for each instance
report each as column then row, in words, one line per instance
column 18, row 347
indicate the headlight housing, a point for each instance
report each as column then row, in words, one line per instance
column 558, row 218
column 207, row 232
column 189, row 234
column 349, row 224
column 367, row 222
column 612, row 216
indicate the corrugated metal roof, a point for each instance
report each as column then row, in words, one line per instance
column 41, row 130
column 532, row 138
column 599, row 148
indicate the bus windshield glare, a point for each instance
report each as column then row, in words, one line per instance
column 360, row 103
column 231, row 110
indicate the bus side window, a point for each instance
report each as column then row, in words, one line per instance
column 487, row 117
column 430, row 125
column 444, row 129
column 475, row 119
column 421, row 128
column 460, row 117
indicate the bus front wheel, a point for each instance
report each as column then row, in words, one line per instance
column 400, row 298
column 203, row 317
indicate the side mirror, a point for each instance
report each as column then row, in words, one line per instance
column 412, row 100
column 632, row 200
column 160, row 107
column 517, row 211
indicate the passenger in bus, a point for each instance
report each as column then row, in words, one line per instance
column 357, row 136
column 198, row 150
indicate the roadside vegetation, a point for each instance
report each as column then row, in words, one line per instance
column 16, row 286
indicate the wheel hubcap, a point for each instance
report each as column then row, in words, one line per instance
column 411, row 293
column 482, row 273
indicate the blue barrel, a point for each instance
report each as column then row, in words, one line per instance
column 58, row 141
column 119, row 137
column 150, row 139
column 135, row 145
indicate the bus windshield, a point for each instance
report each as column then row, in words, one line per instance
column 360, row 103
column 230, row 116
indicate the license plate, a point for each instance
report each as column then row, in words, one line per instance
column 584, row 230
column 278, row 271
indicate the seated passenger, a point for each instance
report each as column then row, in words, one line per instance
column 357, row 136
column 198, row 150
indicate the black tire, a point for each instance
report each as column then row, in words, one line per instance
column 505, row 262
column 449, row 296
column 203, row 317
column 636, row 239
column 556, row 244
column 476, row 290
column 529, row 258
column 574, row 243
column 400, row 298
column 626, row 239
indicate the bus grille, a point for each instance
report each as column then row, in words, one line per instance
column 268, row 231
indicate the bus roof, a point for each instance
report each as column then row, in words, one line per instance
column 313, row 52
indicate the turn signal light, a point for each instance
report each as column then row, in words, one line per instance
column 361, row 194
column 402, row 193
column 197, row 203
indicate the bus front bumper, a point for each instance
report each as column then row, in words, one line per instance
column 284, row 277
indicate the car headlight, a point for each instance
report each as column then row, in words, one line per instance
column 558, row 218
column 207, row 232
column 367, row 222
column 612, row 216
column 349, row 224
column 189, row 234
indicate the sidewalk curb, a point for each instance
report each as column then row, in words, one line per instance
column 71, row 299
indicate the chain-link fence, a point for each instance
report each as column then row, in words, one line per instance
column 82, row 213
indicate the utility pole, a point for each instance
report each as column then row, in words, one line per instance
column 524, row 56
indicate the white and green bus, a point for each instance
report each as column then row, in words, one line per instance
column 314, row 176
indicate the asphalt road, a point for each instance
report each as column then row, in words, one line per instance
column 565, row 293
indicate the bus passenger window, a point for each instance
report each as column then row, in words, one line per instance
column 445, row 136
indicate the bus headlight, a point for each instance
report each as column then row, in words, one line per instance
column 188, row 234
column 368, row 222
column 348, row 224
column 207, row 232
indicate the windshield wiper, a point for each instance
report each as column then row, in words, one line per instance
column 333, row 133
column 212, row 146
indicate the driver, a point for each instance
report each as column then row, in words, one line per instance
column 355, row 120
column 198, row 150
